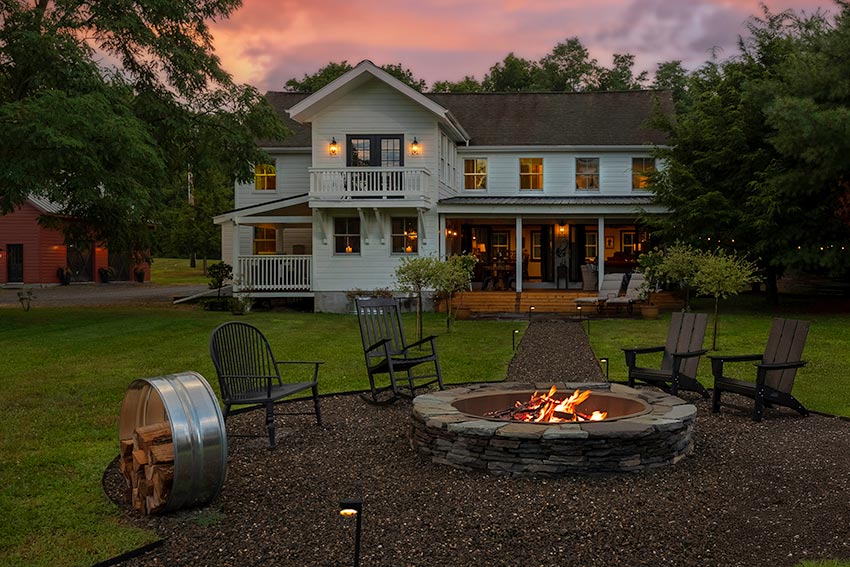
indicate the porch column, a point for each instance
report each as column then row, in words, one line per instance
column 518, row 248
column 234, row 245
column 600, row 252
column 442, row 252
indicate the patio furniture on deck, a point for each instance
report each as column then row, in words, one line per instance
column 776, row 369
column 249, row 375
column 680, row 360
column 387, row 352
column 632, row 296
column 611, row 284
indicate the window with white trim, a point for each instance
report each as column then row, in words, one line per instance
column 265, row 177
column 264, row 240
column 475, row 174
column 591, row 242
column 405, row 235
column 347, row 235
column 531, row 173
column 587, row 174
column 642, row 168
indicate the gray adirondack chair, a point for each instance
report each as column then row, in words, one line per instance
column 680, row 360
column 387, row 352
column 776, row 369
column 611, row 284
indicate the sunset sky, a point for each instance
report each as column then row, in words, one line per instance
column 269, row 41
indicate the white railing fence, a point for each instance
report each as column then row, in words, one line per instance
column 369, row 182
column 274, row 273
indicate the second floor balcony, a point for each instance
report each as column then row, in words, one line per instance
column 348, row 183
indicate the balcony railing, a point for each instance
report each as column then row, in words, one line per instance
column 274, row 273
column 369, row 183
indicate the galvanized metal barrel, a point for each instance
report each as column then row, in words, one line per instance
column 191, row 408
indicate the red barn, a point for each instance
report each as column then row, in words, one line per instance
column 33, row 254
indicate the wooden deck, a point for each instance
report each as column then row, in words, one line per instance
column 547, row 301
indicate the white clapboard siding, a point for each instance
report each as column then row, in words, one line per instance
column 292, row 178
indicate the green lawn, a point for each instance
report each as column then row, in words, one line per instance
column 177, row 271
column 66, row 371
column 744, row 324
column 65, row 374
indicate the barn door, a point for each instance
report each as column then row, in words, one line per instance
column 15, row 263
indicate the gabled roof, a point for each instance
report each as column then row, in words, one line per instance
column 305, row 110
column 46, row 206
column 300, row 134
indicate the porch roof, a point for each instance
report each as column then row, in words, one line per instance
column 606, row 206
column 259, row 208
column 535, row 200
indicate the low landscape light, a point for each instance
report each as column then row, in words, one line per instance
column 353, row 508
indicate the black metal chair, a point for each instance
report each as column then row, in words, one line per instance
column 387, row 352
column 776, row 369
column 249, row 375
column 680, row 360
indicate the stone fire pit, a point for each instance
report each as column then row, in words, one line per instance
column 654, row 431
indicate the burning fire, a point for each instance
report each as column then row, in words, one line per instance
column 544, row 408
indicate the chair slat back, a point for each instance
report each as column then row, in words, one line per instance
column 611, row 284
column 380, row 318
column 634, row 285
column 242, row 358
column 785, row 344
column 687, row 331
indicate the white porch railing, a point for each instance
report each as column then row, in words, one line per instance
column 274, row 273
column 368, row 183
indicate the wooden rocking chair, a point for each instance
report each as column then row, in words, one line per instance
column 387, row 352
column 776, row 369
column 681, row 356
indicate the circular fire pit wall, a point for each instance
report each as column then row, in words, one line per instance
column 645, row 429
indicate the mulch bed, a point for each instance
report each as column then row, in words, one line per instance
column 770, row 493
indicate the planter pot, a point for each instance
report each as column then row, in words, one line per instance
column 463, row 313
column 649, row 311
column 139, row 275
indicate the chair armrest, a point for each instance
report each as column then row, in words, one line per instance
column 782, row 365
column 718, row 361
column 428, row 339
column 299, row 361
column 631, row 354
column 377, row 345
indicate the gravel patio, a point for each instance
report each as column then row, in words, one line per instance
column 769, row 493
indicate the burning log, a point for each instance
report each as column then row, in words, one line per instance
column 147, row 463
column 546, row 409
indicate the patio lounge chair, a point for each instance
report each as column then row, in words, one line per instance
column 776, row 369
column 249, row 375
column 611, row 284
column 632, row 295
column 680, row 359
column 387, row 352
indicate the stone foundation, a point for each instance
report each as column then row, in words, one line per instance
column 661, row 437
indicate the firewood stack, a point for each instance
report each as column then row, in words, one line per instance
column 147, row 463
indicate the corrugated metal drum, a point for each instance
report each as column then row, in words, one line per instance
column 191, row 408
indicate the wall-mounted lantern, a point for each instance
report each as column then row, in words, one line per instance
column 415, row 148
column 333, row 147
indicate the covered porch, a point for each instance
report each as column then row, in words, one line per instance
column 277, row 259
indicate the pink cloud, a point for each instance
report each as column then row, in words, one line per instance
column 267, row 42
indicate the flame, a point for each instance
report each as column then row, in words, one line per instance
column 542, row 409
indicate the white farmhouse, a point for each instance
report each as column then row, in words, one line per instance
column 537, row 185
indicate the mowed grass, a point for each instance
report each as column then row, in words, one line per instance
column 167, row 271
column 65, row 372
column 743, row 327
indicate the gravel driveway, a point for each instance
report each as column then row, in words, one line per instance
column 101, row 294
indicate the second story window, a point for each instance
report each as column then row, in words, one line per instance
column 405, row 235
column 264, row 240
column 531, row 173
column 347, row 235
column 475, row 174
column 265, row 177
column 587, row 174
column 378, row 150
column 642, row 168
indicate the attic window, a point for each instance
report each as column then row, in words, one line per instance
column 265, row 177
